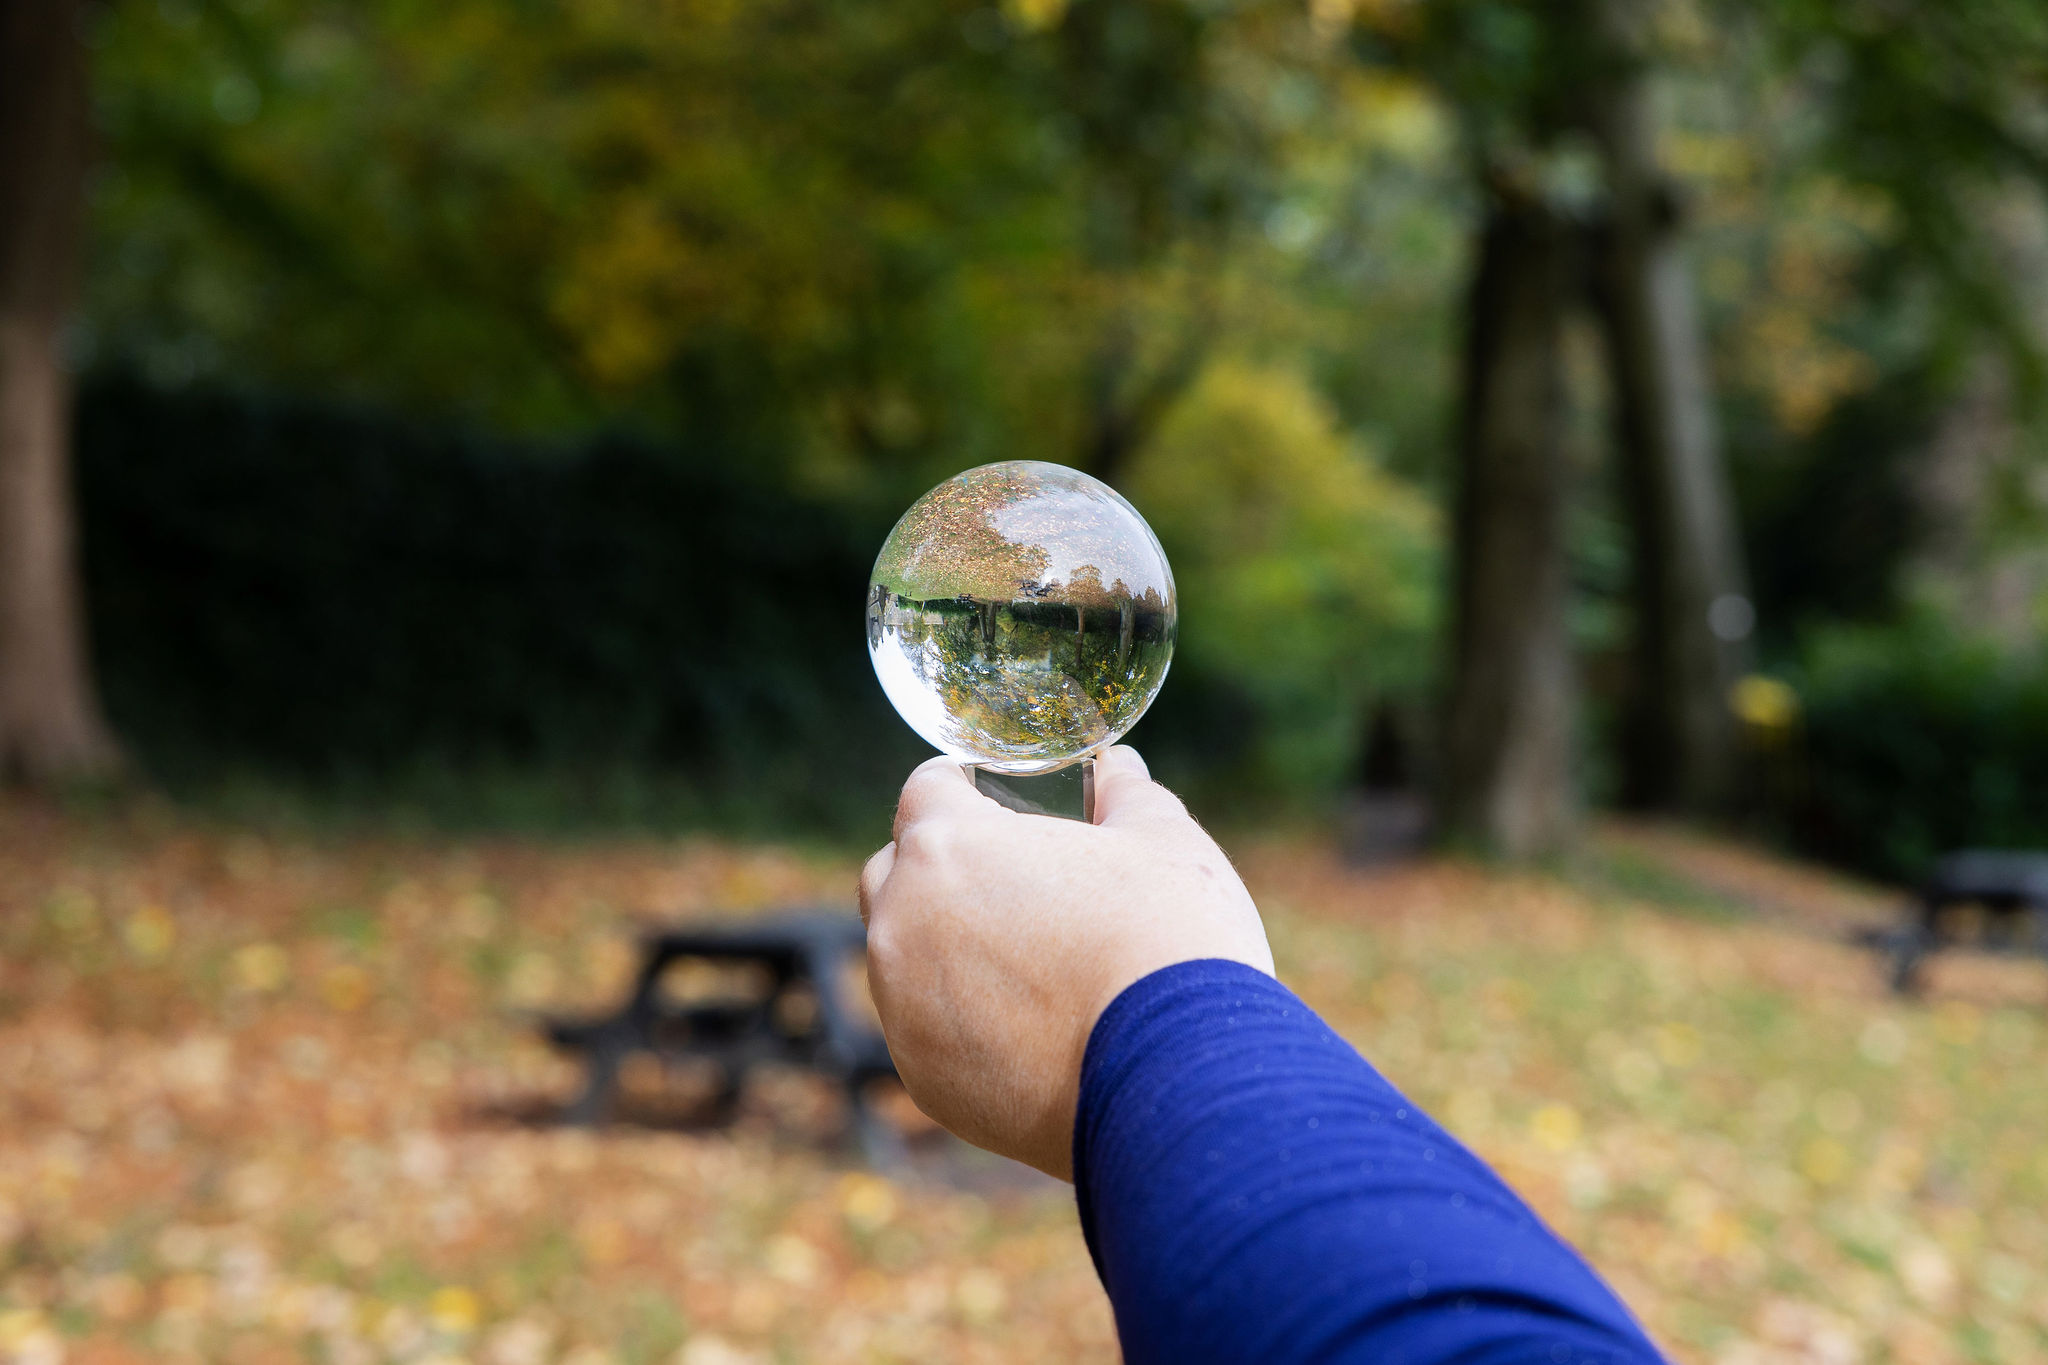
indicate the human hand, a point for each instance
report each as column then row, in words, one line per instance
column 996, row 939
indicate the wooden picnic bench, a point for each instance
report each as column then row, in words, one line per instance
column 798, row 1015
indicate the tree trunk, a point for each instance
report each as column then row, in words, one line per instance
column 50, row 724
column 1507, row 776
column 1692, row 611
column 1110, row 438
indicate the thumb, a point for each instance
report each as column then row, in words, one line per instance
column 1126, row 795
column 938, row 788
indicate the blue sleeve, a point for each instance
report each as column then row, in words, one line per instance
column 1253, row 1191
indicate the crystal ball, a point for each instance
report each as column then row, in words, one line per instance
column 1021, row 616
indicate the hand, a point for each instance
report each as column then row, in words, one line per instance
column 995, row 941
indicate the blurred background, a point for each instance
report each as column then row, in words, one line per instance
column 443, row 447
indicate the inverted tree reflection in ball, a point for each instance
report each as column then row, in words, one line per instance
column 1021, row 616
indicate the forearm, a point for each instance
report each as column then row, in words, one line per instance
column 1254, row 1191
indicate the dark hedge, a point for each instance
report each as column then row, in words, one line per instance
column 1919, row 742
column 346, row 601
column 341, row 597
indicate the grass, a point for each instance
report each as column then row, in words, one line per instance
column 257, row 1094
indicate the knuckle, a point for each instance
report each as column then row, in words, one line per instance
column 890, row 956
column 917, row 796
column 882, row 943
column 871, row 870
column 928, row 841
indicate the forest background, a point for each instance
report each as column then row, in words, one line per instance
column 487, row 412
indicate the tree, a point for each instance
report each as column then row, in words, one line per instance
column 50, row 723
column 1692, row 614
column 1532, row 83
column 1513, row 72
column 1507, row 763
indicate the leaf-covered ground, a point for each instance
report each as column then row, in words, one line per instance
column 268, row 1099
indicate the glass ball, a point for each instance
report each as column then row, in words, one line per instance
column 1021, row 616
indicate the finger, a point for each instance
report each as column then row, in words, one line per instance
column 873, row 876
column 1125, row 793
column 937, row 787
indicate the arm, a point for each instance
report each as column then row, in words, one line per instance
column 1098, row 1001
column 1254, row 1191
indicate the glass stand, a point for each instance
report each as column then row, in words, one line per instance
column 1068, row 793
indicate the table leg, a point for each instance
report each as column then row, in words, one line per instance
column 1914, row 947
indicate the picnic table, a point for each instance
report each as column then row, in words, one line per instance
column 2011, row 887
column 799, row 1016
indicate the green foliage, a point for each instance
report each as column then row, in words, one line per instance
column 540, row 214
column 1937, row 110
column 1307, row 575
column 1919, row 741
column 904, row 231
column 900, row 240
